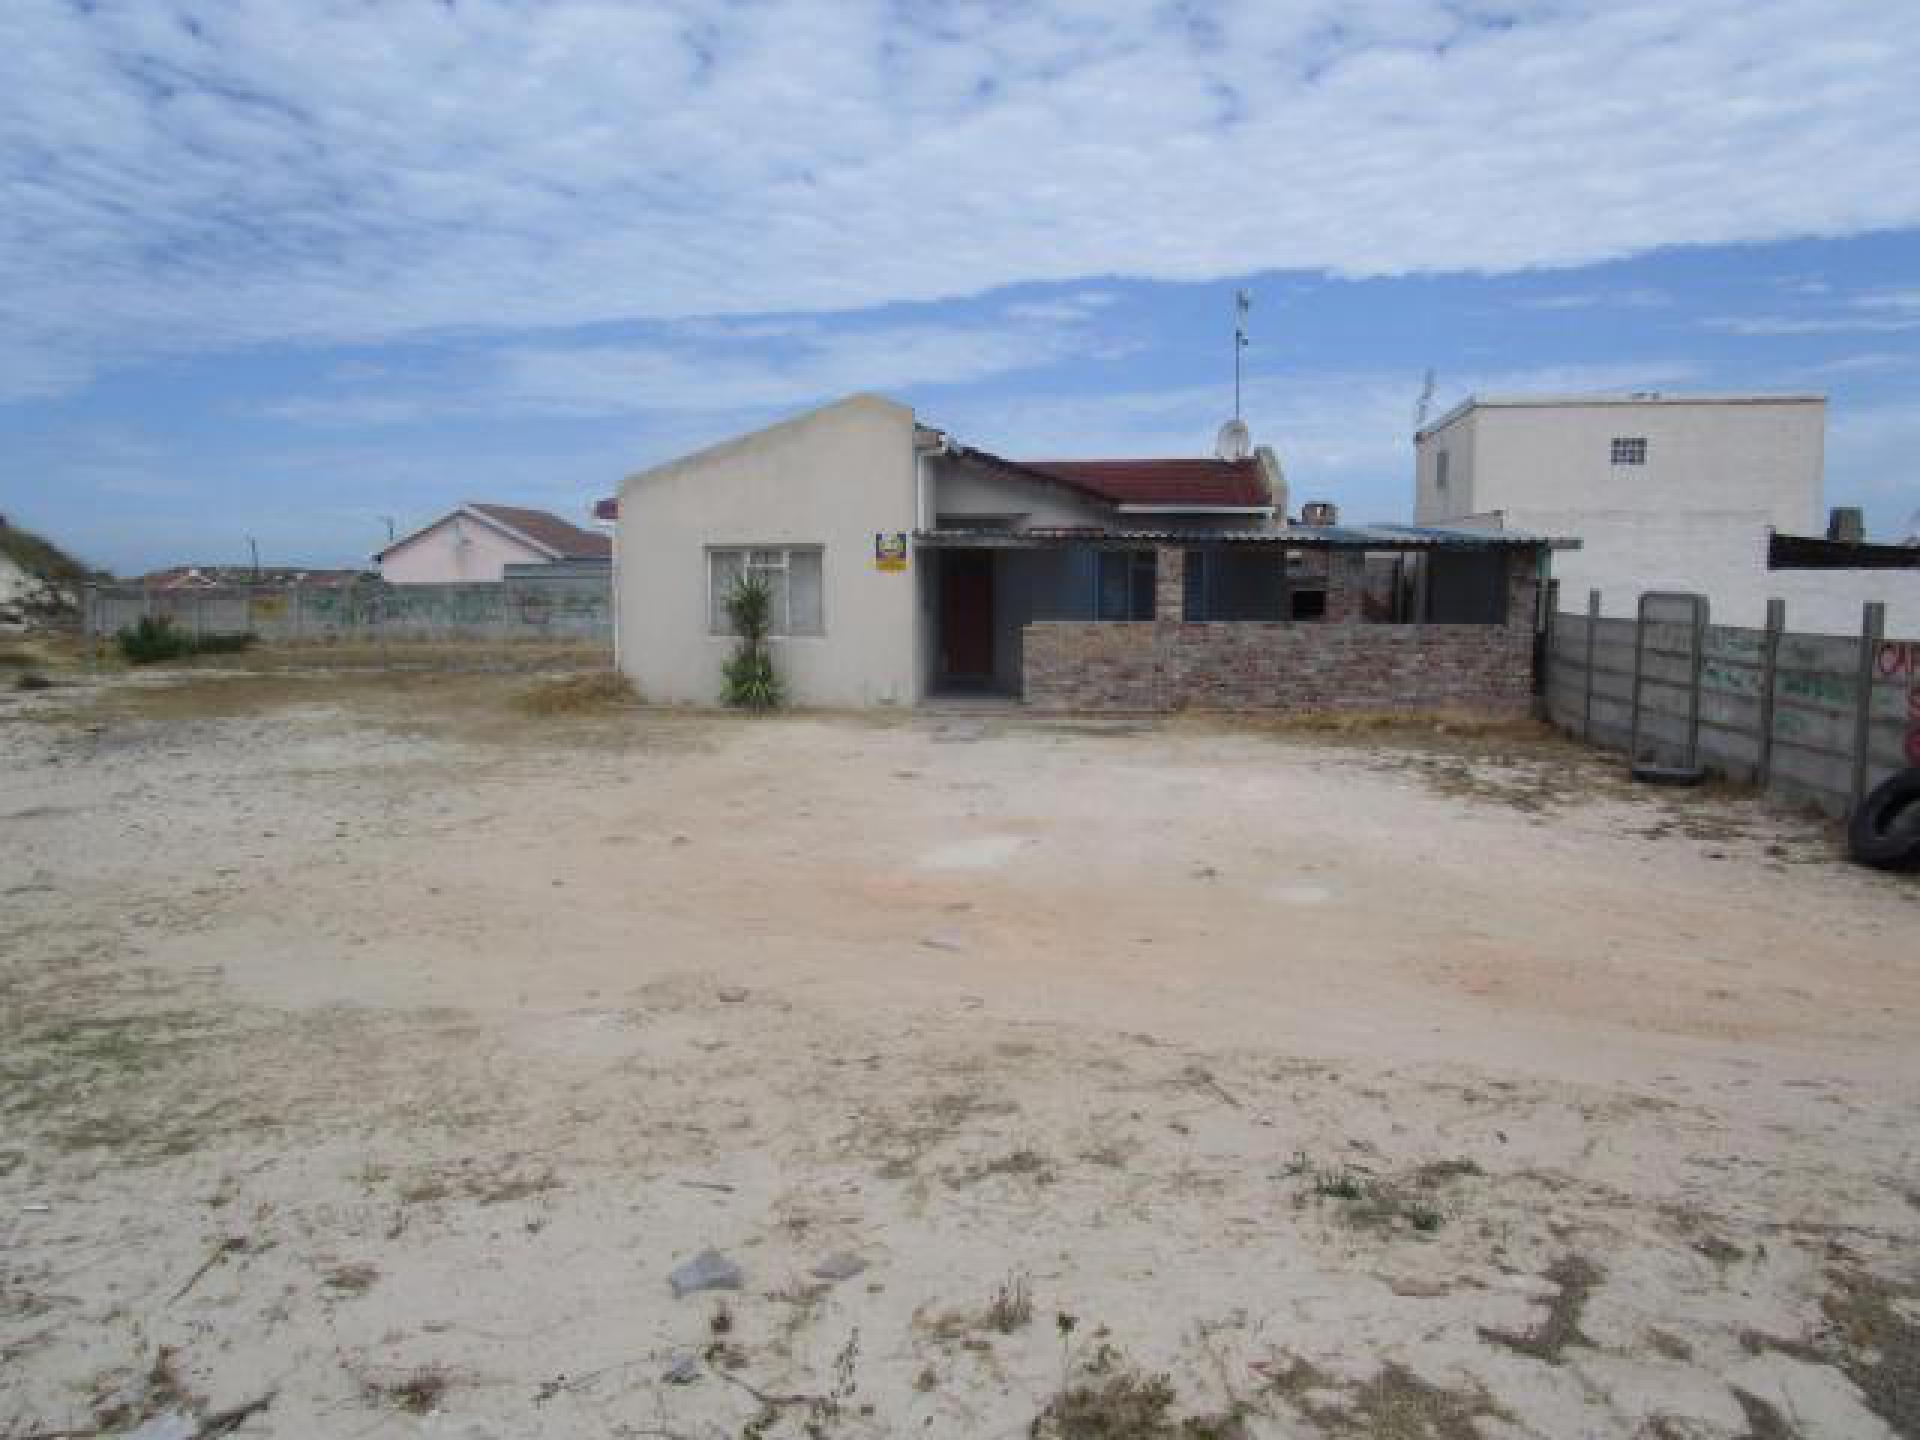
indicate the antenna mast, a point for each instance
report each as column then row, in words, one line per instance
column 1242, row 303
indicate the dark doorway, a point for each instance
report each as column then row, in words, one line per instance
column 966, row 615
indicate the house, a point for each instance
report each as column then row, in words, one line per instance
column 214, row 577
column 1665, row 492
column 477, row 542
column 905, row 564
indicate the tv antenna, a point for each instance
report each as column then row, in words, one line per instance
column 1424, row 403
column 1242, row 303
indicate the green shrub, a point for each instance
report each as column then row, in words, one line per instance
column 148, row 641
column 231, row 643
column 151, row 640
column 748, row 678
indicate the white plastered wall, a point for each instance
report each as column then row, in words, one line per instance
column 832, row 478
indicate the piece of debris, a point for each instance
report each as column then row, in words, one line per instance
column 221, row 1250
column 225, row 1422
column 684, row 1370
column 732, row 994
column 941, row 940
column 170, row 1426
column 841, row 1265
column 709, row 1270
column 1202, row 1078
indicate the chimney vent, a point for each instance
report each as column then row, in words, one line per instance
column 1847, row 525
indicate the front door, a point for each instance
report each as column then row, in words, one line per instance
column 966, row 614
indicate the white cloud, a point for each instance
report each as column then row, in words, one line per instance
column 198, row 174
column 1813, row 324
column 725, row 366
column 1901, row 302
column 1635, row 299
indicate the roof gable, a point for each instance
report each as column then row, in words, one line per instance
column 563, row 539
column 540, row 530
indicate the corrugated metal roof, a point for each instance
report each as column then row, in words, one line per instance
column 1330, row 537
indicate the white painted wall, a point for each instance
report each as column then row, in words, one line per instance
column 1695, row 517
column 831, row 478
column 1431, row 504
column 1720, row 457
column 459, row 548
column 963, row 488
column 1624, row 555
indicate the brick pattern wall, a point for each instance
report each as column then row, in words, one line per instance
column 1169, row 583
column 1346, row 586
column 1287, row 666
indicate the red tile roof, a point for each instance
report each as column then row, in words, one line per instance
column 1201, row 483
column 568, row 541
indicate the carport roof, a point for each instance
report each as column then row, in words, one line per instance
column 1326, row 537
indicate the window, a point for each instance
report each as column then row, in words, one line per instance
column 791, row 575
column 1123, row 589
column 1235, row 583
column 1630, row 450
column 1440, row 470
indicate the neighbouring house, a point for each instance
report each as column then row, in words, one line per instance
column 477, row 542
column 213, row 577
column 905, row 564
column 1664, row 492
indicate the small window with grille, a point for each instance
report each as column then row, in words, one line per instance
column 1630, row 450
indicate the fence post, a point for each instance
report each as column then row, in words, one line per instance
column 1769, row 670
column 1701, row 619
column 1873, row 626
column 1547, row 599
column 1593, row 632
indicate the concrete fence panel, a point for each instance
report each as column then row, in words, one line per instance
column 571, row 606
column 1819, row 718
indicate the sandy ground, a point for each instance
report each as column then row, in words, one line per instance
column 376, row 1046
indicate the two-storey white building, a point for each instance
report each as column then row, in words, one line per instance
column 1664, row 492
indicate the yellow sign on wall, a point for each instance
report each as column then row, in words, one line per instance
column 890, row 551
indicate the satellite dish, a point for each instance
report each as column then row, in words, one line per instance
column 1234, row 442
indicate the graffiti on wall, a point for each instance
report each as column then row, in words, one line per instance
column 490, row 610
column 1900, row 660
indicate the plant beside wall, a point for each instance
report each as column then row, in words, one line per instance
column 152, row 640
column 750, row 681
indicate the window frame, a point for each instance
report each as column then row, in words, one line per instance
column 718, row 626
column 1627, row 450
column 1441, row 465
column 1142, row 570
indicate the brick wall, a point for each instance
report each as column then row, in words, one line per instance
column 1170, row 664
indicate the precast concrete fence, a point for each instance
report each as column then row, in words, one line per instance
column 560, row 607
column 1812, row 717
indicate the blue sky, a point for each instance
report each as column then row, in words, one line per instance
column 282, row 270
